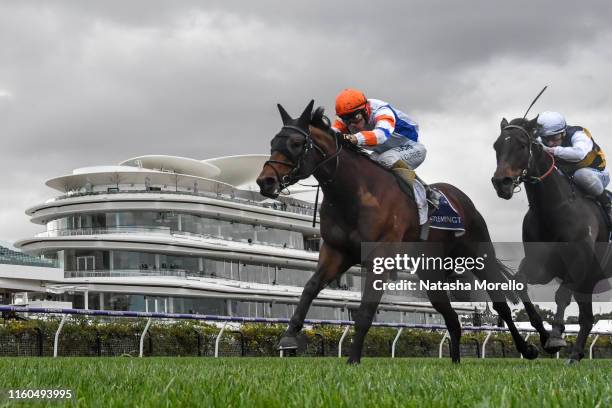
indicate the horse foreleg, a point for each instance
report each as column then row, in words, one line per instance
column 332, row 263
column 563, row 297
column 585, row 319
column 364, row 316
column 440, row 301
column 534, row 317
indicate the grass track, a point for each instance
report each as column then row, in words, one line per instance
column 313, row 382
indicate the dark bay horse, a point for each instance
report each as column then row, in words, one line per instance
column 364, row 203
column 559, row 215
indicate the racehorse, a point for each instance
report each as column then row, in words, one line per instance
column 363, row 202
column 560, row 215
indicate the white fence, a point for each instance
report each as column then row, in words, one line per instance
column 603, row 328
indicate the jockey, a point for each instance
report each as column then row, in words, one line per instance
column 389, row 133
column 578, row 154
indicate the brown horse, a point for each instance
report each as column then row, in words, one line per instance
column 363, row 202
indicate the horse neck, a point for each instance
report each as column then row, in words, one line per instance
column 340, row 178
column 553, row 189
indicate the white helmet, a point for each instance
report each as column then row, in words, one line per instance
column 551, row 123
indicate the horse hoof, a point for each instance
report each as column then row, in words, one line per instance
column 531, row 352
column 571, row 362
column 288, row 343
column 352, row 361
column 554, row 344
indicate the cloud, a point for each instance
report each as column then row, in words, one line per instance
column 101, row 82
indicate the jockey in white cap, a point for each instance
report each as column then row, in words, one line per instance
column 578, row 155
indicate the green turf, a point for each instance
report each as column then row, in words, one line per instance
column 314, row 382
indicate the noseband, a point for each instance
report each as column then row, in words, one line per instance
column 523, row 177
column 295, row 166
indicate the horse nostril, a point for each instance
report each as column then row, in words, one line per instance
column 507, row 181
column 266, row 182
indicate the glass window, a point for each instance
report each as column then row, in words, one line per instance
column 129, row 260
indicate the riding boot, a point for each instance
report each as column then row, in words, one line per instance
column 406, row 172
column 604, row 200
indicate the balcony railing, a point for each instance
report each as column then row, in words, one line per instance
column 285, row 204
column 102, row 231
column 166, row 231
column 25, row 260
column 123, row 273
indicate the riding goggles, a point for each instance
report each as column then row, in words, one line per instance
column 353, row 117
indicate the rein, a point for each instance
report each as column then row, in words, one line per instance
column 524, row 177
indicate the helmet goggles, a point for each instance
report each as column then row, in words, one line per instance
column 353, row 117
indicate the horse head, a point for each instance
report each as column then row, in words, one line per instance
column 295, row 154
column 515, row 150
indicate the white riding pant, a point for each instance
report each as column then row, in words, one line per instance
column 592, row 181
column 413, row 153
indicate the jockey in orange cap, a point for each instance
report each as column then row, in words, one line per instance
column 391, row 135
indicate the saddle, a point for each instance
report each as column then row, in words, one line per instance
column 445, row 216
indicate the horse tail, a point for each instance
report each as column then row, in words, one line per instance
column 508, row 275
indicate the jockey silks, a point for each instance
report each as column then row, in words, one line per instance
column 385, row 126
column 594, row 158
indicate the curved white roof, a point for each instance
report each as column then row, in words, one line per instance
column 238, row 170
column 181, row 165
column 108, row 169
column 230, row 171
column 132, row 175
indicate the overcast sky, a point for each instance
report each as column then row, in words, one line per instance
column 84, row 83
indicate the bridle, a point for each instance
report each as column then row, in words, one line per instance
column 296, row 165
column 524, row 177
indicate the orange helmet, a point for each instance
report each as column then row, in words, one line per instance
column 349, row 101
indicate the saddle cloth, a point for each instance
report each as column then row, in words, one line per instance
column 445, row 217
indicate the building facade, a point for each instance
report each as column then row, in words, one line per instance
column 178, row 235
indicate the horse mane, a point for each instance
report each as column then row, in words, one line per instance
column 519, row 122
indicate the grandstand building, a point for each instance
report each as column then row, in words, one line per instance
column 178, row 235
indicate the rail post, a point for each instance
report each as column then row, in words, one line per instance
column 397, row 336
column 593, row 345
column 142, row 336
column 442, row 343
column 562, row 336
column 526, row 338
column 484, row 343
column 219, row 339
column 57, row 333
column 346, row 329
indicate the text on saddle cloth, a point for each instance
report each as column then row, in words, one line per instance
column 446, row 216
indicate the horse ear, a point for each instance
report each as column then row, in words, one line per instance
column 306, row 116
column 533, row 123
column 284, row 115
column 503, row 123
